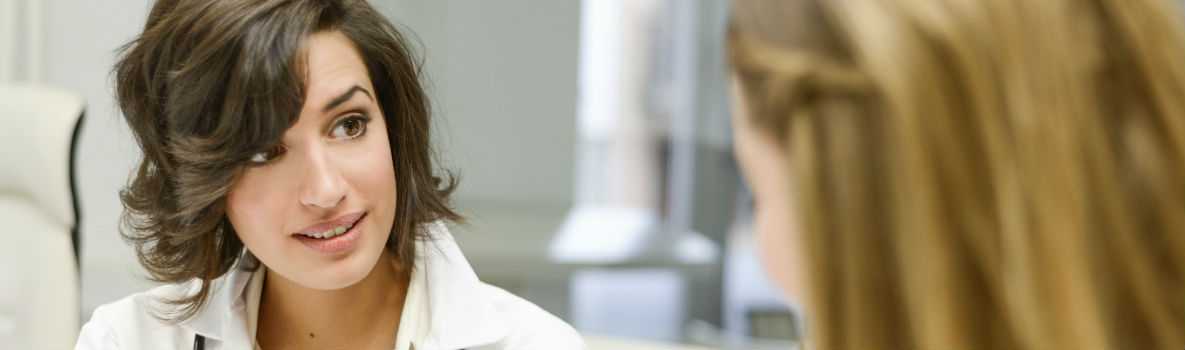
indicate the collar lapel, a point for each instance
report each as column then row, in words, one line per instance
column 223, row 318
column 461, row 314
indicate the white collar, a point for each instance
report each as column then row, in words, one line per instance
column 460, row 313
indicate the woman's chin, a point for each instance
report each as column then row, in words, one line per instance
column 334, row 278
column 340, row 273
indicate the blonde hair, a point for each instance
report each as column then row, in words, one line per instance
column 995, row 174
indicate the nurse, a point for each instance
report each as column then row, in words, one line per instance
column 287, row 194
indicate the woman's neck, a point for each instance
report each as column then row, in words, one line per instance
column 362, row 316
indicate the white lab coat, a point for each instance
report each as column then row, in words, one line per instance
column 447, row 308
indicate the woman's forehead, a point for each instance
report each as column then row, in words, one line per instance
column 334, row 67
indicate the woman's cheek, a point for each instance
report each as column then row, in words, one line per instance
column 253, row 209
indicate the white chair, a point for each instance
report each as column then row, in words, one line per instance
column 39, row 282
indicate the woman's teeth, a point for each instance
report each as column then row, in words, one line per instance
column 330, row 233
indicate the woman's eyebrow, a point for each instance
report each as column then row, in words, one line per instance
column 345, row 97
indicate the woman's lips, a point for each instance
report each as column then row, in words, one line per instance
column 344, row 220
column 337, row 244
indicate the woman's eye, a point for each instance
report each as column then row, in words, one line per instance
column 267, row 156
column 350, row 127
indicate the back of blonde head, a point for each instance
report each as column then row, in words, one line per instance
column 991, row 174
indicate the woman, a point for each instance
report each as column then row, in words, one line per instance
column 961, row 174
column 286, row 191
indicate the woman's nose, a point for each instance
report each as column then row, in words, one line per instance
column 323, row 185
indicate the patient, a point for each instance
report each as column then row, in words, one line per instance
column 967, row 174
column 287, row 194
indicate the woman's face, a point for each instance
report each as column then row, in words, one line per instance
column 766, row 170
column 332, row 172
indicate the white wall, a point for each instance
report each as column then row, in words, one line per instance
column 504, row 83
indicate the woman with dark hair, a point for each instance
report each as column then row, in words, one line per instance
column 286, row 192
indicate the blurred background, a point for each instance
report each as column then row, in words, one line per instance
column 592, row 139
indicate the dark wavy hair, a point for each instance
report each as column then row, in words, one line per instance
column 210, row 83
